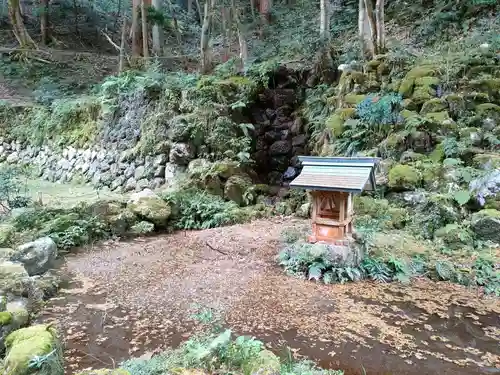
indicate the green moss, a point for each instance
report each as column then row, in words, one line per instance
column 406, row 114
column 489, row 85
column 423, row 71
column 406, row 87
column 265, row 363
column 439, row 117
column 422, row 93
column 383, row 69
column 437, row 155
column 472, row 99
column 490, row 110
column 5, row 318
column 353, row 99
column 12, row 277
column 236, row 187
column 434, row 105
column 7, row 234
column 427, row 81
column 409, row 104
column 372, row 65
column 225, row 168
column 22, row 345
column 404, row 177
column 151, row 209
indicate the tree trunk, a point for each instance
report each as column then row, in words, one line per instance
column 225, row 26
column 189, row 6
column 241, row 36
column 18, row 27
column 372, row 27
column 252, row 9
column 365, row 37
column 44, row 20
column 121, row 63
column 380, row 20
column 136, row 30
column 144, row 20
column 205, row 39
column 157, row 30
column 324, row 26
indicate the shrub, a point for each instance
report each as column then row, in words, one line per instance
column 199, row 210
column 11, row 188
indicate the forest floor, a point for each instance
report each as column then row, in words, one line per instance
column 135, row 298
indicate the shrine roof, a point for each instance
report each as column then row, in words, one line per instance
column 351, row 175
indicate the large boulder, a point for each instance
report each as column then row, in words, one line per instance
column 26, row 343
column 235, row 188
column 404, row 177
column 13, row 277
column 486, row 225
column 149, row 206
column 37, row 256
column 181, row 153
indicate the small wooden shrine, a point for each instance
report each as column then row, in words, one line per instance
column 332, row 182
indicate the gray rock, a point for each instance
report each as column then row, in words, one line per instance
column 37, row 256
column 142, row 184
column 13, row 158
column 129, row 171
column 181, row 153
column 160, row 160
column 280, row 148
column 130, row 184
column 107, row 178
column 299, row 140
column 117, row 182
column 140, row 172
column 156, row 183
column 96, row 179
column 159, row 171
column 104, row 167
column 290, row 173
column 486, row 225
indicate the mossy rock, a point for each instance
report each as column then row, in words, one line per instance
column 437, row 155
column 13, row 277
column 406, row 114
column 16, row 316
column 482, row 160
column 443, row 119
column 489, row 110
column 116, row 371
column 421, row 94
column 406, row 87
column 423, row 71
column 383, row 69
column 398, row 217
column 409, row 105
column 371, row 66
column 434, row 105
column 487, row 85
column 456, row 236
column 410, row 156
column 480, row 70
column 354, row 99
column 236, row 187
column 404, row 177
column 456, row 104
column 226, row 168
column 336, row 121
column 486, row 225
column 24, row 344
column 265, row 363
column 474, row 98
column 120, row 223
column 148, row 206
column 393, row 144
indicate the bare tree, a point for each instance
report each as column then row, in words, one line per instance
column 144, row 21
column 241, row 35
column 380, row 21
column 18, row 27
column 205, row 50
column 121, row 63
column 44, row 20
column 157, row 30
column 136, row 29
column 324, row 26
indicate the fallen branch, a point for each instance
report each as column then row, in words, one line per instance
column 215, row 249
column 111, row 41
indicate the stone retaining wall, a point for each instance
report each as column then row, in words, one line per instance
column 118, row 170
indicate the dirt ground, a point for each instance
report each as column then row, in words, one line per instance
column 134, row 298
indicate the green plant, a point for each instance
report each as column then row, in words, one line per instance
column 13, row 188
column 201, row 210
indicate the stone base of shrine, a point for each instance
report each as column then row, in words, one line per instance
column 344, row 251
